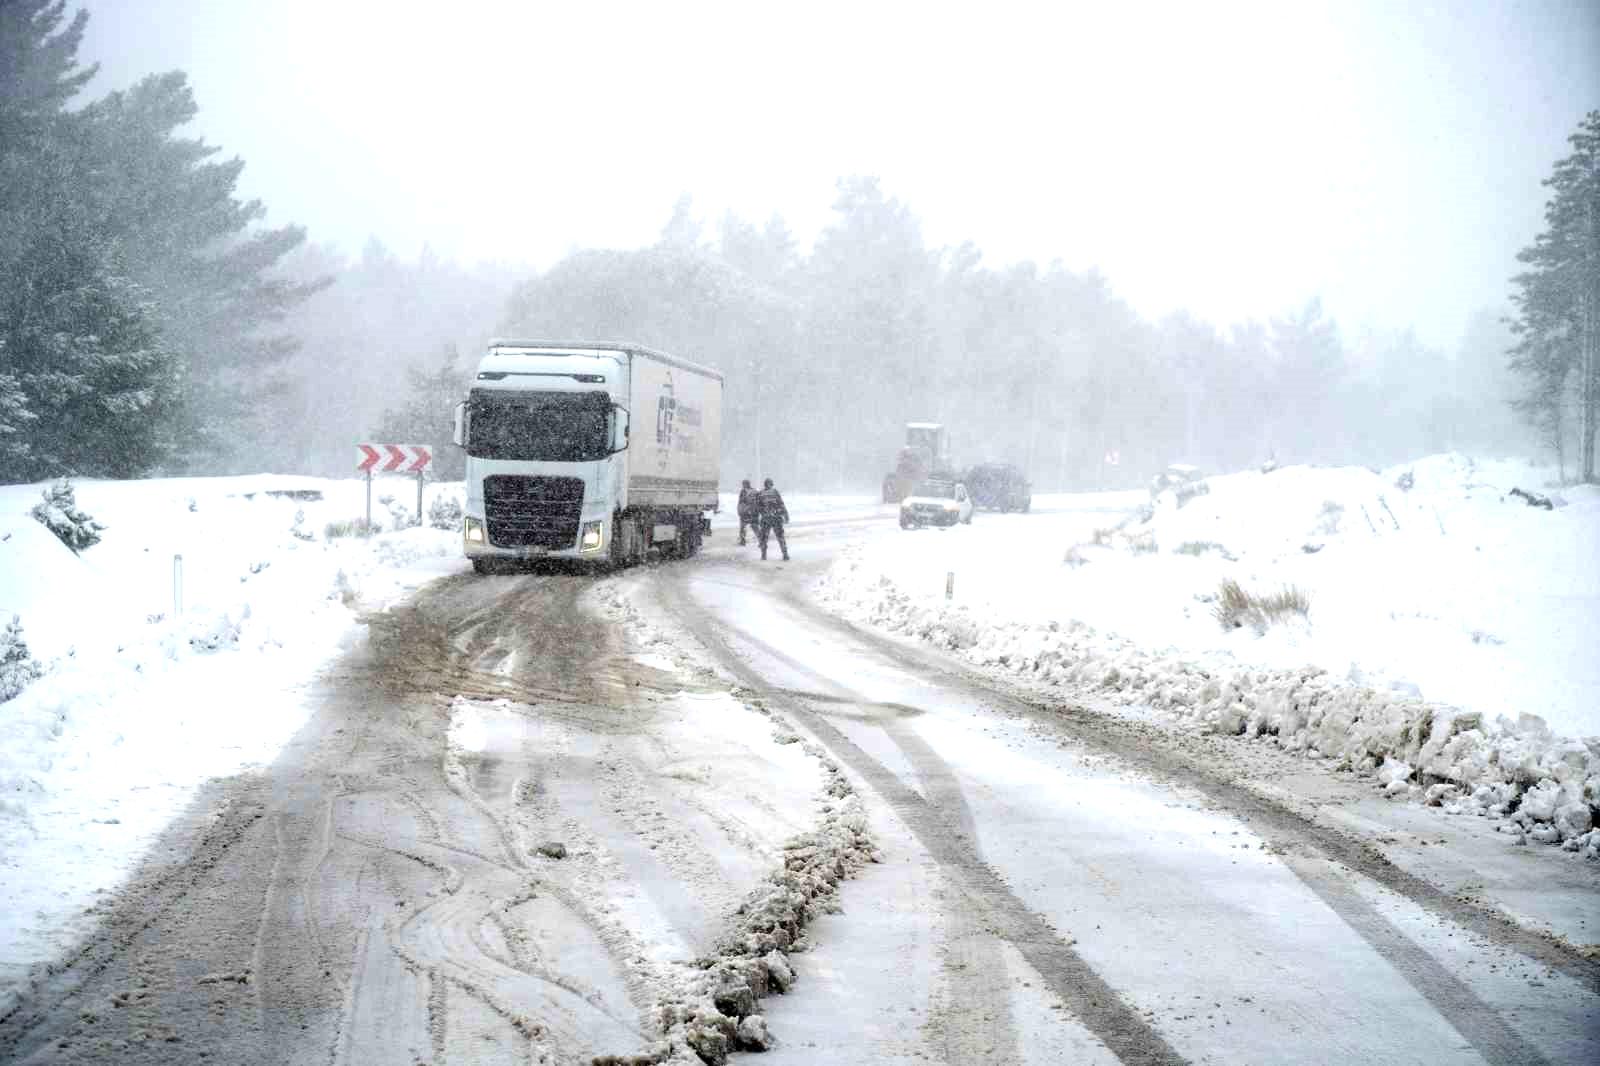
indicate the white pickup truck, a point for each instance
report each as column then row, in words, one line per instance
column 587, row 451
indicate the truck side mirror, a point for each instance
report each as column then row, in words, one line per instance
column 460, row 434
column 619, row 440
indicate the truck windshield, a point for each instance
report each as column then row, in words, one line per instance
column 939, row 490
column 552, row 427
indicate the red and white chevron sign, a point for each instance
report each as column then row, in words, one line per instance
column 393, row 458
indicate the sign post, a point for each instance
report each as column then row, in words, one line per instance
column 401, row 459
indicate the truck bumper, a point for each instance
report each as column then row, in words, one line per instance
column 592, row 544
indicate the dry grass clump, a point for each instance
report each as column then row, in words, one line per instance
column 1142, row 542
column 349, row 527
column 1198, row 548
column 1235, row 608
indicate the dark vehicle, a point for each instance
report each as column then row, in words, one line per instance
column 999, row 487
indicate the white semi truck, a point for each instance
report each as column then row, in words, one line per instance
column 592, row 452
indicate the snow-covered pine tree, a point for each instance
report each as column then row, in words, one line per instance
column 60, row 514
column 138, row 301
column 14, row 416
column 200, row 252
column 98, row 379
column 18, row 668
column 445, row 513
column 86, row 384
column 1557, row 321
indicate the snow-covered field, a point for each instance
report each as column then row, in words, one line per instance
column 144, row 698
column 1451, row 645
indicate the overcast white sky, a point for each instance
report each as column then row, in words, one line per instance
column 1232, row 159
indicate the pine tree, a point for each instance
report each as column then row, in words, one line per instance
column 86, row 383
column 1557, row 302
column 58, row 511
column 38, row 74
column 428, row 415
column 97, row 377
column 1311, row 369
column 138, row 303
column 39, row 69
column 200, row 253
column 871, row 281
column 18, row 668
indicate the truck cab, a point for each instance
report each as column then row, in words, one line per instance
column 555, row 467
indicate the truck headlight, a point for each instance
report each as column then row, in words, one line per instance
column 593, row 536
column 474, row 531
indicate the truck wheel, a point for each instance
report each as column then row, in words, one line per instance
column 619, row 542
column 641, row 540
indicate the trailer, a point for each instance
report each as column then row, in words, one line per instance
column 586, row 451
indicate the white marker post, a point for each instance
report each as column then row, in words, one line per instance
column 949, row 584
column 177, row 586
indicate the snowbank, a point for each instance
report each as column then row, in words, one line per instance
column 1448, row 648
column 175, row 650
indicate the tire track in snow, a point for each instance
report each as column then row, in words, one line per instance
column 1143, row 749
column 940, row 831
column 1479, row 1023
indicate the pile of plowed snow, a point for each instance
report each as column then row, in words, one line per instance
column 1447, row 647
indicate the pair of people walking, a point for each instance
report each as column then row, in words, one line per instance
column 765, row 512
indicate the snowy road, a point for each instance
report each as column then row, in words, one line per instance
column 498, row 840
column 1063, row 887
column 529, row 807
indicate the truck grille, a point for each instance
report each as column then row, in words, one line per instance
column 532, row 511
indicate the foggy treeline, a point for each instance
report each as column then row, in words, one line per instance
column 378, row 355
column 828, row 353
column 150, row 323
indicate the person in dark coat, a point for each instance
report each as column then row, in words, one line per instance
column 747, row 508
column 771, row 514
